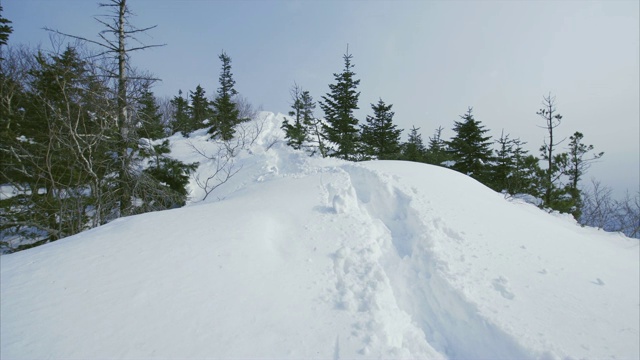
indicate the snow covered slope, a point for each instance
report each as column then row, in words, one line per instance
column 299, row 257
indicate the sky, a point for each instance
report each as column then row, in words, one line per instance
column 430, row 59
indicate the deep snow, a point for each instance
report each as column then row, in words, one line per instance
column 299, row 257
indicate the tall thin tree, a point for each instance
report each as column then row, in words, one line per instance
column 339, row 106
column 551, row 174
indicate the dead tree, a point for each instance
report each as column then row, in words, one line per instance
column 114, row 40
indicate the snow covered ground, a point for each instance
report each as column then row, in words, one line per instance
column 298, row 257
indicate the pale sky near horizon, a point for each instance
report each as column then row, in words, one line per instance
column 430, row 59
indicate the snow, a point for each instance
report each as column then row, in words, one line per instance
column 298, row 257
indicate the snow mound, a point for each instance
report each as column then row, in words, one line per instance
column 298, row 257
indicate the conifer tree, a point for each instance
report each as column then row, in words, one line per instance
column 170, row 174
column 181, row 120
column 199, row 111
column 5, row 31
column 296, row 133
column 414, row 149
column 306, row 130
column 338, row 106
column 60, row 166
column 226, row 115
column 437, row 149
column 470, row 149
column 576, row 167
column 502, row 170
column 313, row 125
column 380, row 136
column 149, row 119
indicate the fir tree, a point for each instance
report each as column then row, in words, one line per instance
column 523, row 177
column 181, row 120
column 380, row 137
column 296, row 133
column 199, row 111
column 338, row 106
column 149, row 119
column 313, row 125
column 227, row 115
column 414, row 149
column 5, row 31
column 170, row 174
column 470, row 149
column 502, row 170
column 437, row 149
column 61, row 168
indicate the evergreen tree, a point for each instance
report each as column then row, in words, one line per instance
column 181, row 120
column 470, row 149
column 523, row 178
column 296, row 133
column 437, row 149
column 502, row 170
column 414, row 149
column 338, row 106
column 380, row 137
column 227, row 115
column 61, row 162
column 199, row 111
column 5, row 31
column 172, row 175
column 149, row 119
column 576, row 167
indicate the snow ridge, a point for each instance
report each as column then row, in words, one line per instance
column 299, row 257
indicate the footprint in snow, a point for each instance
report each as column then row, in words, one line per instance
column 598, row 282
column 500, row 284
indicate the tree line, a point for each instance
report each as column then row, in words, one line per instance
column 552, row 180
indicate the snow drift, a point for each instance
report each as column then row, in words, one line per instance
column 298, row 257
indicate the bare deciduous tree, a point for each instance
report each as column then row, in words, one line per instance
column 602, row 211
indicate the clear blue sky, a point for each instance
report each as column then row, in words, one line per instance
column 430, row 59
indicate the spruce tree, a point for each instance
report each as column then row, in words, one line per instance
column 171, row 175
column 470, row 149
column 380, row 137
column 502, row 170
column 181, row 119
column 296, row 133
column 5, row 31
column 199, row 109
column 62, row 163
column 149, row 119
column 437, row 149
column 338, row 106
column 414, row 149
column 313, row 126
column 226, row 115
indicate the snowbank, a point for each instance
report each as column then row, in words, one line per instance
column 298, row 257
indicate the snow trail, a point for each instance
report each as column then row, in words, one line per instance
column 450, row 323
